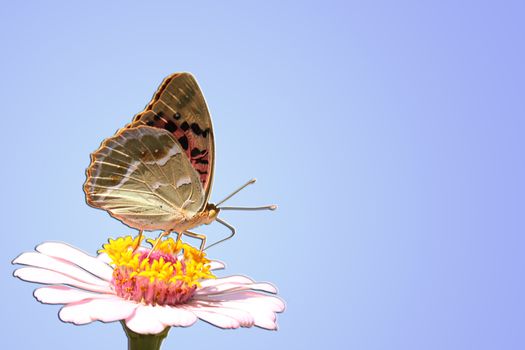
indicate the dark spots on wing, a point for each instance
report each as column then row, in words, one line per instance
column 183, row 142
column 171, row 126
column 196, row 129
column 150, row 123
column 195, row 152
column 158, row 115
column 177, row 116
column 152, row 155
column 184, row 126
column 201, row 161
column 202, row 172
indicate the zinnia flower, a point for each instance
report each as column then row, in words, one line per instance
column 148, row 290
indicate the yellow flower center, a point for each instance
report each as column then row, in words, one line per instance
column 168, row 275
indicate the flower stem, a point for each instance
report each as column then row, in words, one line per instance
column 138, row 341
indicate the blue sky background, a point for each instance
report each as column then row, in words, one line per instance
column 391, row 134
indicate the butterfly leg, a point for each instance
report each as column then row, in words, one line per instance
column 138, row 241
column 232, row 229
column 198, row 236
column 157, row 241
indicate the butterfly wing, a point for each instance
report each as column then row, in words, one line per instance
column 179, row 107
column 142, row 177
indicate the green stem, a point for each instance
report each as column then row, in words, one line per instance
column 138, row 341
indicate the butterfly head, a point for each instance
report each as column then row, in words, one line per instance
column 210, row 213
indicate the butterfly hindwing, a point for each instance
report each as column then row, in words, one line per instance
column 179, row 107
column 143, row 177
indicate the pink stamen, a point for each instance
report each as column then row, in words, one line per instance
column 158, row 292
column 156, row 255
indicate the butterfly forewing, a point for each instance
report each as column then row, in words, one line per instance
column 143, row 177
column 179, row 107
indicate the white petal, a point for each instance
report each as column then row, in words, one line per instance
column 264, row 319
column 260, row 306
column 263, row 286
column 216, row 319
column 217, row 265
column 65, row 295
column 220, row 285
column 78, row 257
column 104, row 258
column 105, row 310
column 38, row 275
column 167, row 315
column 242, row 316
column 269, row 302
column 262, row 316
column 54, row 264
column 146, row 320
column 230, row 279
column 176, row 316
column 233, row 287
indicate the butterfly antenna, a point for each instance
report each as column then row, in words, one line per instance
column 232, row 229
column 252, row 181
column 265, row 207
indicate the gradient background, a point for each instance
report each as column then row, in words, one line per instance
column 391, row 134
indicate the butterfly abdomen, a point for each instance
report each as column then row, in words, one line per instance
column 205, row 217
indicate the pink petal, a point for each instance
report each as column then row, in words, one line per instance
column 104, row 258
column 217, row 265
column 230, row 279
column 260, row 306
column 261, row 315
column 216, row 319
column 264, row 286
column 176, row 316
column 65, row 295
column 78, row 257
column 44, row 261
column 105, row 310
column 154, row 319
column 233, row 287
column 269, row 302
column 38, row 275
column 146, row 320
column 244, row 317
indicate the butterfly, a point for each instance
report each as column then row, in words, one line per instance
column 156, row 173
